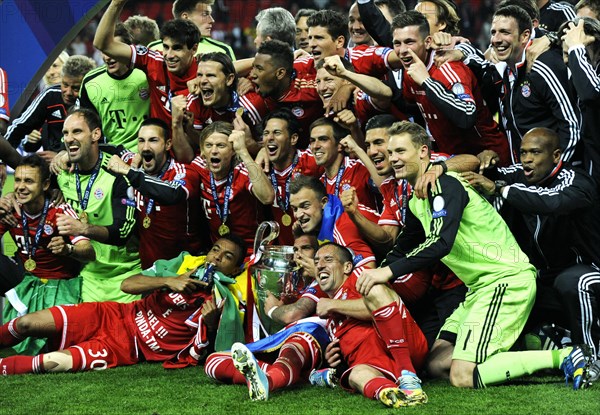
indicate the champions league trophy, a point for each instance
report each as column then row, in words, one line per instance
column 274, row 271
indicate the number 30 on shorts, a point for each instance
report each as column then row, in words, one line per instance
column 98, row 364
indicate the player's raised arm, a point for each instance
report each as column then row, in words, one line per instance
column 105, row 40
column 261, row 186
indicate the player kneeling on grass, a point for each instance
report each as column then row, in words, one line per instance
column 98, row 335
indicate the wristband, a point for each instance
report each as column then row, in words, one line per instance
column 270, row 312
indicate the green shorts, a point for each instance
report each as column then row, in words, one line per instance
column 491, row 318
column 37, row 294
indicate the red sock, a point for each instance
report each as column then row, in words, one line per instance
column 9, row 335
column 219, row 366
column 299, row 353
column 18, row 365
column 390, row 325
column 372, row 388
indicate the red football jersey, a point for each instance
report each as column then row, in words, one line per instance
column 159, row 321
column 173, row 228
column 369, row 60
column 301, row 99
column 355, row 175
column 306, row 166
column 347, row 234
column 48, row 265
column 458, row 78
column 313, row 292
column 364, row 108
column 348, row 330
column 204, row 116
column 305, row 67
column 391, row 191
column 245, row 211
column 163, row 84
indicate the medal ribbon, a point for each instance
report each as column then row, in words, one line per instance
column 38, row 232
column 404, row 204
column 83, row 201
column 284, row 201
column 160, row 176
column 223, row 212
column 338, row 178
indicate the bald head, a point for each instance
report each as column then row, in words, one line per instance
column 544, row 136
column 540, row 153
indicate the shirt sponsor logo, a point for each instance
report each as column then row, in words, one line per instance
column 98, row 194
column 297, row 111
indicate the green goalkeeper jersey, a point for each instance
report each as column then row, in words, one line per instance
column 122, row 103
column 109, row 205
column 464, row 231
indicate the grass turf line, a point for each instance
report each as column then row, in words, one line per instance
column 149, row 389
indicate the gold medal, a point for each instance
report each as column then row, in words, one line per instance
column 30, row 265
column 83, row 217
column 146, row 223
column 223, row 229
column 286, row 220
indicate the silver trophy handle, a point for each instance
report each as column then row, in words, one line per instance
column 261, row 240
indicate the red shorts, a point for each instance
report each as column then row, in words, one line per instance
column 373, row 352
column 96, row 334
column 412, row 287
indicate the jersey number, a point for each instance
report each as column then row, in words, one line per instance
column 98, row 364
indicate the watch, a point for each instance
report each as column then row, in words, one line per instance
column 553, row 37
column 441, row 163
column 499, row 184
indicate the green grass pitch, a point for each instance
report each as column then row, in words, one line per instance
column 150, row 389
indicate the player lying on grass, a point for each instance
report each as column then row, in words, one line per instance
column 98, row 335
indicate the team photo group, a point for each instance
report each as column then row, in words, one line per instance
column 365, row 197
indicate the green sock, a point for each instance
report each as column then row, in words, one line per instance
column 503, row 367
